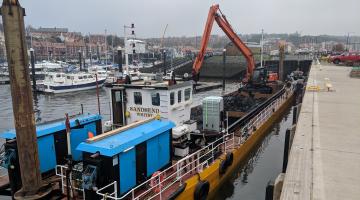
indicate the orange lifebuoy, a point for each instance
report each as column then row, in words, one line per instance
column 90, row 134
column 156, row 181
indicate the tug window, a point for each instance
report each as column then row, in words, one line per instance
column 172, row 98
column 137, row 98
column 179, row 96
column 187, row 94
column 155, row 99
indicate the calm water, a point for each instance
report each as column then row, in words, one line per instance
column 262, row 165
column 49, row 107
column 249, row 182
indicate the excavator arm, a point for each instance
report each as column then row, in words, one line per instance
column 226, row 27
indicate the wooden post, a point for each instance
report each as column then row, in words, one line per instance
column 17, row 56
column 32, row 57
column 269, row 191
column 286, row 150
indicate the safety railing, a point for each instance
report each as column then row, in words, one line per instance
column 75, row 179
column 177, row 174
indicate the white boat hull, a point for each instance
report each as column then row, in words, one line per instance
column 56, row 89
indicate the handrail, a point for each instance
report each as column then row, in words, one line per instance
column 193, row 163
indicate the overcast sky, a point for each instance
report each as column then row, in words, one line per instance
column 187, row 17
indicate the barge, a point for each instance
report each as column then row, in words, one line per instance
column 153, row 149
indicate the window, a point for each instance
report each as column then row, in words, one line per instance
column 155, row 99
column 137, row 98
column 58, row 75
column 179, row 96
column 68, row 77
column 172, row 98
column 80, row 77
column 187, row 94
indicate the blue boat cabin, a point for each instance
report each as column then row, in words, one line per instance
column 128, row 157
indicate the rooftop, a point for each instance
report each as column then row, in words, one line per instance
column 123, row 141
column 54, row 126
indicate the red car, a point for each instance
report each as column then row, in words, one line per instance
column 347, row 58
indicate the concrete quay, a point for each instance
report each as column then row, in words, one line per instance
column 324, row 160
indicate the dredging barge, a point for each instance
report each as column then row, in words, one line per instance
column 158, row 152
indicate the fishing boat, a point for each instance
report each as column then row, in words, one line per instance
column 62, row 82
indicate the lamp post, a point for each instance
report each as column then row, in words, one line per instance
column 119, row 55
column 80, row 63
column 224, row 63
column 164, row 62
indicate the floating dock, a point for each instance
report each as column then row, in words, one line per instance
column 324, row 161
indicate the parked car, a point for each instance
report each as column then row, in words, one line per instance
column 347, row 58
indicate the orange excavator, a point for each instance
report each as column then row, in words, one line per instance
column 256, row 78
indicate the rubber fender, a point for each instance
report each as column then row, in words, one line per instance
column 222, row 167
column 177, row 192
column 229, row 159
column 201, row 190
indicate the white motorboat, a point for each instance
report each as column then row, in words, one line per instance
column 62, row 82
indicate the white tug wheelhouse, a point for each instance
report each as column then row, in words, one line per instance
column 146, row 99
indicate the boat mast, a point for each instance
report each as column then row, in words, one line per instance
column 262, row 47
column 105, row 49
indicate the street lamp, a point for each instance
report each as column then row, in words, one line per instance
column 119, row 54
column 224, row 63
column 79, row 52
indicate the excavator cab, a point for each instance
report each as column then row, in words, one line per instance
column 259, row 76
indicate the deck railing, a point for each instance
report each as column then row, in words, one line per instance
column 75, row 179
column 194, row 163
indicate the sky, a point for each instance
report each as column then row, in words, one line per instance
column 187, row 17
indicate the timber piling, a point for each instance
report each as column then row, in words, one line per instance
column 17, row 56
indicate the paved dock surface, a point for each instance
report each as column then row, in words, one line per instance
column 324, row 161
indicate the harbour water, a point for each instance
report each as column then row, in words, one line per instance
column 50, row 107
column 263, row 164
column 249, row 182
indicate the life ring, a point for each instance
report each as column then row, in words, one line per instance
column 229, row 159
column 155, row 183
column 201, row 190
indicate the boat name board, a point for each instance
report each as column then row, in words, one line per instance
column 144, row 112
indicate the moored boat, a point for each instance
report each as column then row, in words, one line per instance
column 62, row 82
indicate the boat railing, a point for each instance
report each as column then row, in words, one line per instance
column 176, row 175
column 75, row 179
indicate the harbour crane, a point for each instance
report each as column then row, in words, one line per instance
column 256, row 78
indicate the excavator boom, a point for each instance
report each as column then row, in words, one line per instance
column 226, row 27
